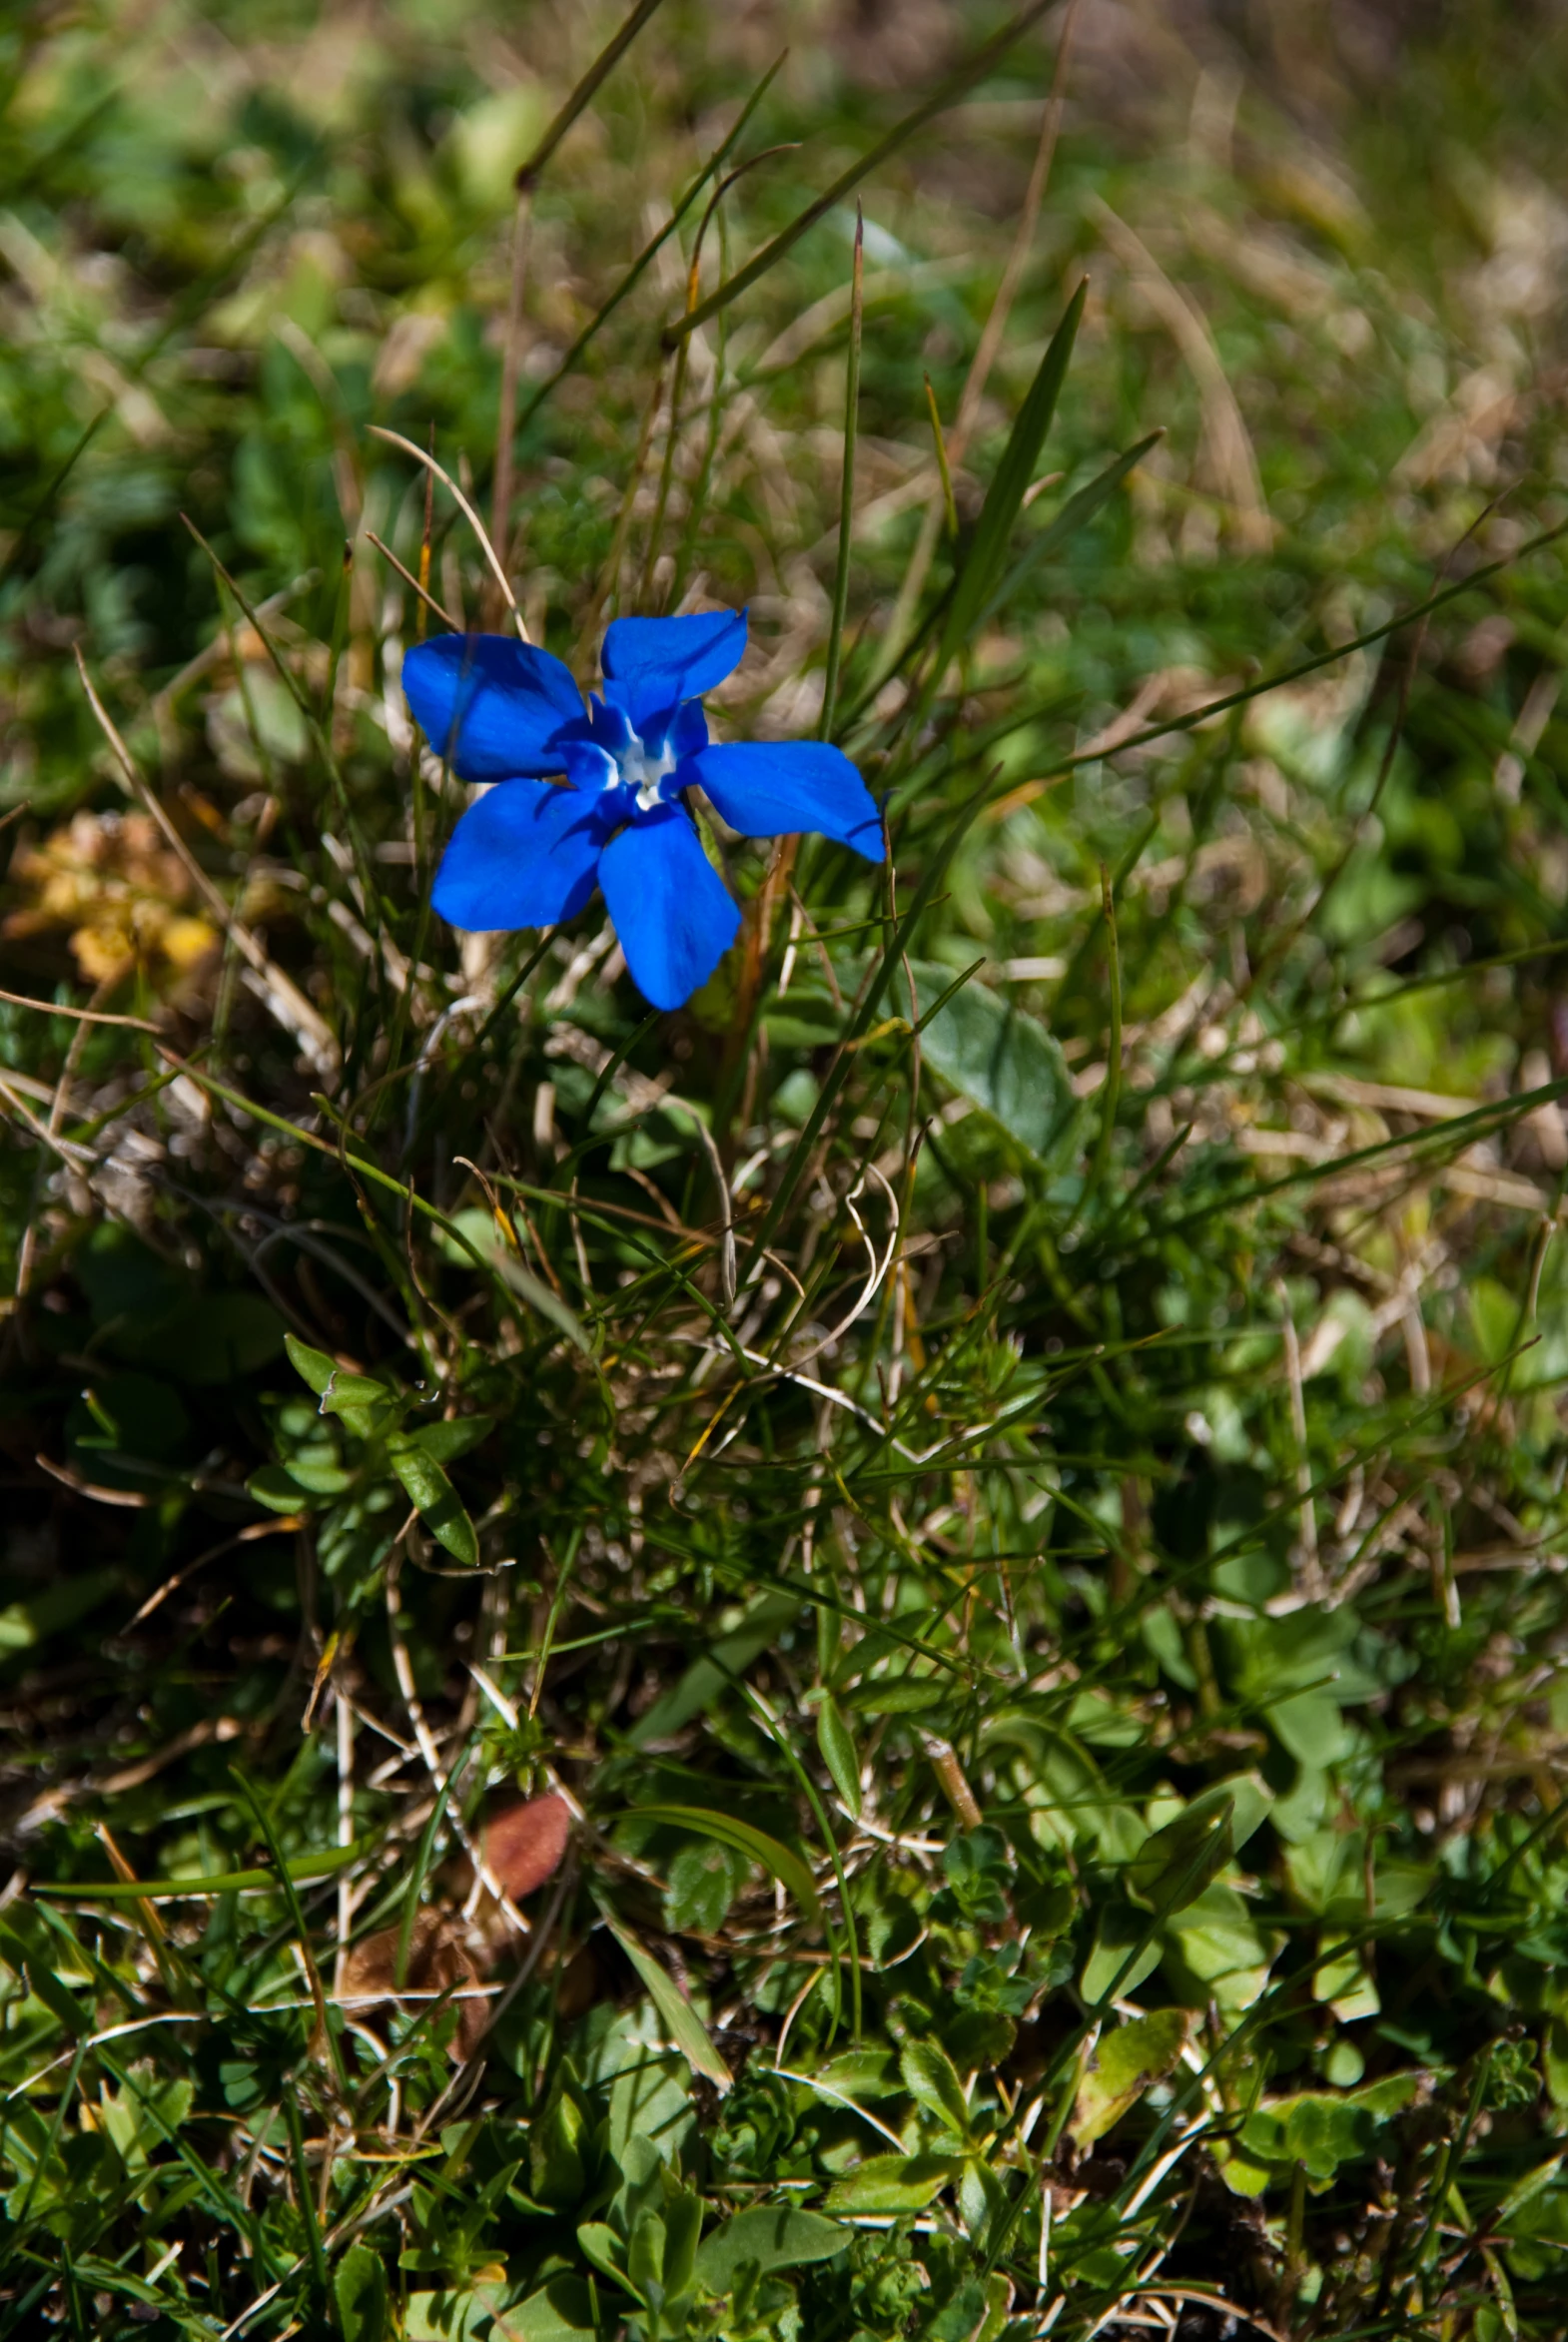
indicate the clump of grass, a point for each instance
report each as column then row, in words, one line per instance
column 879, row 1658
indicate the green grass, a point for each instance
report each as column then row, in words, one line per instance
column 1013, row 1478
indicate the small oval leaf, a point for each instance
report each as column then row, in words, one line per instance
column 441, row 1507
column 839, row 1753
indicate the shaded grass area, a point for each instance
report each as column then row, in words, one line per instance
column 881, row 1658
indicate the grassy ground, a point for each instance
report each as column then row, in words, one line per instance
column 882, row 1658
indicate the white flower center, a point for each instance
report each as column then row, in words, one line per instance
column 643, row 773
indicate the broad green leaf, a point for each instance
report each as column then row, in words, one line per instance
column 651, row 2114
column 1310, row 1727
column 1175, row 1863
column 685, row 2028
column 772, row 2236
column 756, row 1845
column 1217, row 1950
column 978, row 2312
column 982, row 563
column 138, row 2115
column 441, row 1507
column 838, row 1754
column 928, row 2077
column 1126, row 1951
column 556, row 2138
column 1124, row 2066
column 682, row 2228
column 999, row 1057
column 1321, row 2129
column 863, row 2074
column 645, row 2255
column 604, row 2249
column 702, row 1881
column 894, row 2183
column 562, row 2312
column 444, row 2316
column 360, row 2291
column 981, row 2198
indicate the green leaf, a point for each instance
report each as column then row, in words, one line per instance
column 1175, row 1863
column 982, row 563
column 445, row 2317
column 977, row 2312
column 894, row 2183
column 772, row 2236
column 703, row 1880
column 681, row 2021
column 1123, row 2068
column 1310, row 1727
column 441, row 1507
column 604, row 2249
column 930, row 2078
column 557, row 2139
column 645, row 2255
column 998, row 1057
column 140, row 2114
column 838, row 1754
column 1216, row 1952
column 682, row 2228
column 562, row 2312
column 898, row 1694
column 863, row 2074
column 360, row 2291
column 319, row 1472
column 325, row 1377
column 1126, row 1951
column 728, row 1830
column 448, row 1441
column 981, row 2198
column 280, row 1491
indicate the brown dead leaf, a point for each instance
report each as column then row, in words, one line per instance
column 438, row 1960
column 524, row 1842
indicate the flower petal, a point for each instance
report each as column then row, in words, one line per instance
column 652, row 664
column 671, row 908
column 524, row 856
column 493, row 705
column 765, row 789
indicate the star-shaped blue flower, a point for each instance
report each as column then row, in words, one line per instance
column 529, row 853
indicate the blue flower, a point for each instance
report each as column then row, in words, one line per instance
column 530, row 851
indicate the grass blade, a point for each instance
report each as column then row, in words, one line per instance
column 1005, row 496
column 684, row 2027
column 830, row 688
